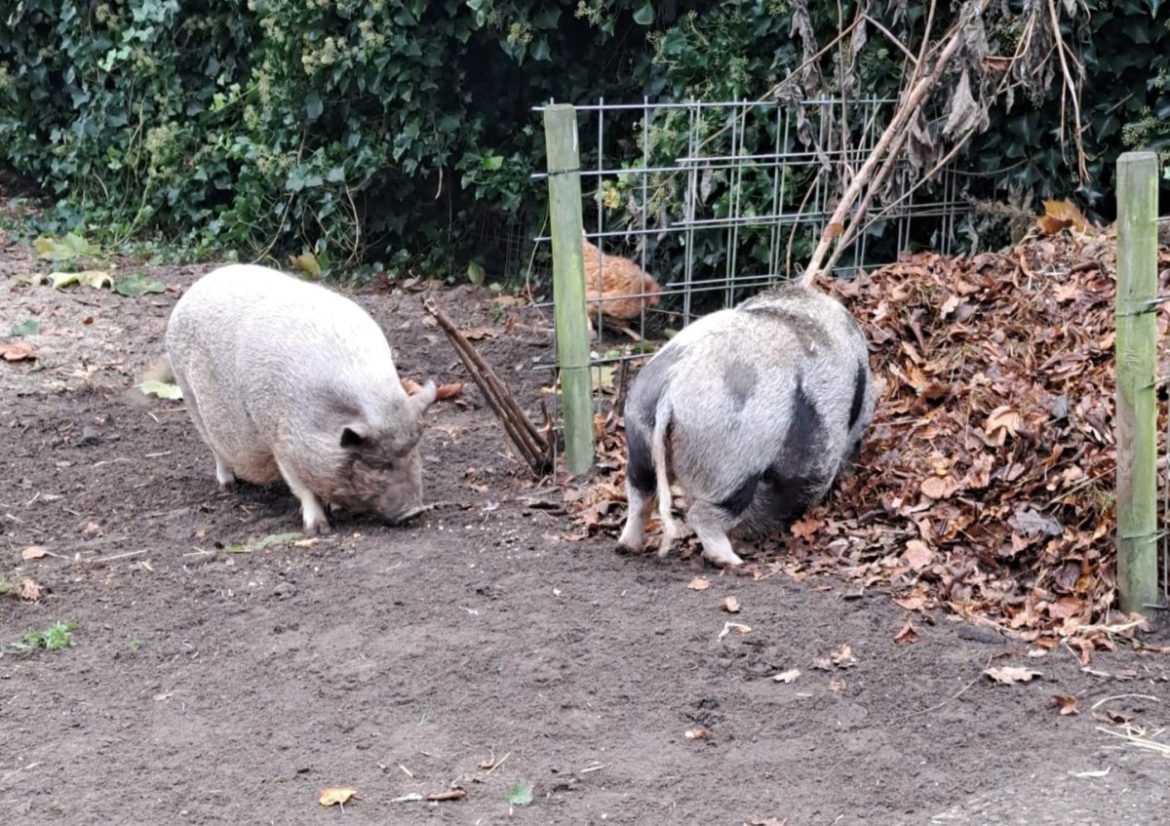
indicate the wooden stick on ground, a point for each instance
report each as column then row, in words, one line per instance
column 531, row 443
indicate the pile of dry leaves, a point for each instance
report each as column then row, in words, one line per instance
column 986, row 483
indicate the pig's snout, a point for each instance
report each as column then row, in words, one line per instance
column 406, row 514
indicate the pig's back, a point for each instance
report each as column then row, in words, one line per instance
column 272, row 354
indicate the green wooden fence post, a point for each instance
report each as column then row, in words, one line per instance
column 569, row 312
column 1136, row 345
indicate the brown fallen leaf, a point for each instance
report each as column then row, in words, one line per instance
column 479, row 333
column 918, row 554
column 915, row 602
column 453, row 793
column 16, row 351
column 788, row 676
column 937, row 487
column 730, row 604
column 699, row 584
column 336, row 796
column 836, row 685
column 908, row 635
column 29, row 590
column 1002, row 422
column 1066, row 704
column 842, row 656
column 805, row 528
column 33, row 552
column 822, row 664
column 1059, row 215
column 442, row 392
column 1011, row 674
column 696, row 734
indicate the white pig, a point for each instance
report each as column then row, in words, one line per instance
column 753, row 411
column 283, row 378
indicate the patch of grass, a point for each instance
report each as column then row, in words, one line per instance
column 135, row 645
column 57, row 636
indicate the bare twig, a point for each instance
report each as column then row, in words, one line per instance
column 1112, row 697
column 950, row 699
column 1070, row 89
column 534, row 448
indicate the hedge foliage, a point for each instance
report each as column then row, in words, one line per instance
column 402, row 132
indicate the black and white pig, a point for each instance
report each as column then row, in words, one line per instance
column 753, row 412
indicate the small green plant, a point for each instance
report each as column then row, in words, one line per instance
column 68, row 248
column 135, row 645
column 28, row 327
column 521, row 793
column 55, row 637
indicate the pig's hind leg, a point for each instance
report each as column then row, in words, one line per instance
column 641, row 484
column 711, row 523
column 223, row 471
column 639, row 505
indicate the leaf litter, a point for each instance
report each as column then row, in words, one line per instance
column 985, row 484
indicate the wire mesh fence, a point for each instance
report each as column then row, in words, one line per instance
column 691, row 207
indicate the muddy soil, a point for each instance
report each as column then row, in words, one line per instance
column 214, row 681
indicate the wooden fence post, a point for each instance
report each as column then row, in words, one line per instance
column 1136, row 346
column 569, row 312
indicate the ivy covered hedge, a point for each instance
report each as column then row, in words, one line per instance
column 401, row 131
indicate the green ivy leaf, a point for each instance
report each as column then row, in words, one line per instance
column 475, row 273
column 296, row 180
column 135, row 285
column 313, row 105
column 644, row 15
column 28, row 327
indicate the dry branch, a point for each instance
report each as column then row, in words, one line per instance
column 886, row 151
column 956, row 53
column 530, row 441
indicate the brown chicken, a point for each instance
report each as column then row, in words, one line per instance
column 616, row 285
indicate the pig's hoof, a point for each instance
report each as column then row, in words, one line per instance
column 623, row 549
column 724, row 560
column 630, row 542
column 318, row 527
column 224, row 475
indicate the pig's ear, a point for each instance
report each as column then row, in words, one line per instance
column 423, row 399
column 355, row 434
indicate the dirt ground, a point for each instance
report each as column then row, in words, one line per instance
column 474, row 649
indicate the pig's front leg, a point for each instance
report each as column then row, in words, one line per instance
column 314, row 515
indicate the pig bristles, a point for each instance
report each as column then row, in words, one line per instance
column 534, row 448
